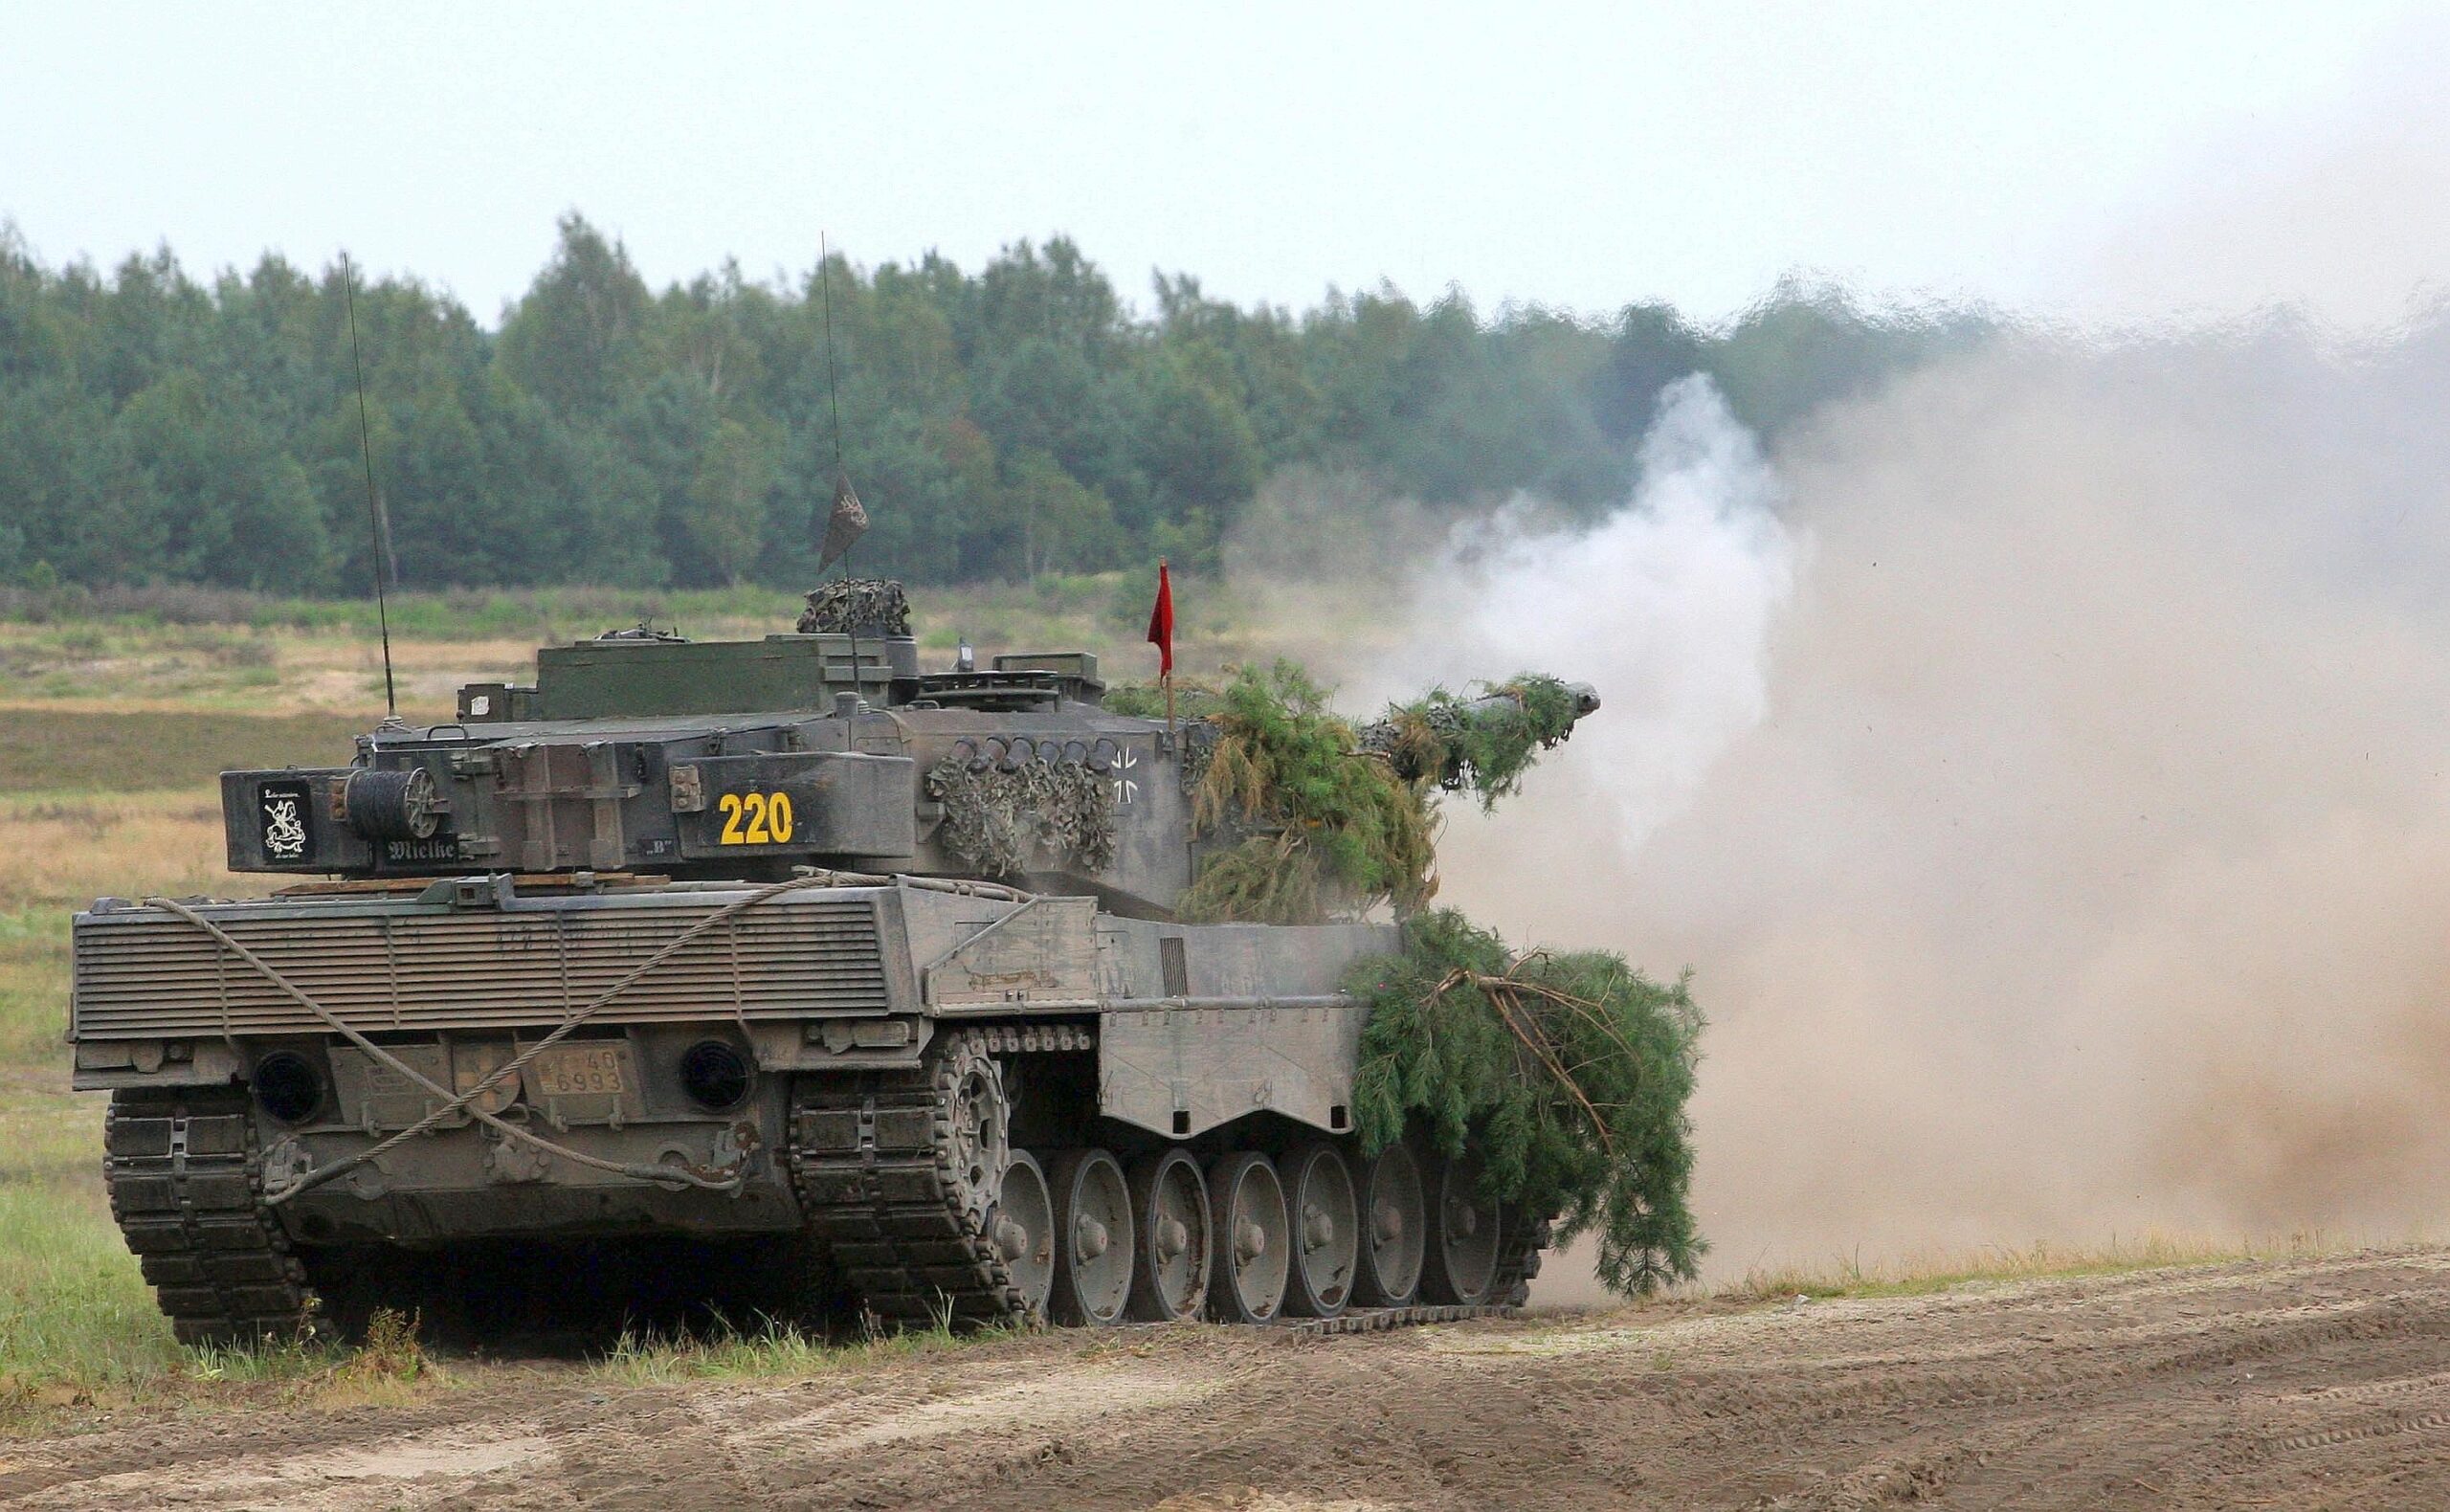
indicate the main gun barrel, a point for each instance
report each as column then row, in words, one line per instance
column 1436, row 739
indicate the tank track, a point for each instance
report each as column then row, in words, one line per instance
column 186, row 1184
column 872, row 1164
column 1378, row 1320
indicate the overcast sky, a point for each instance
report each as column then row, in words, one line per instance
column 2109, row 158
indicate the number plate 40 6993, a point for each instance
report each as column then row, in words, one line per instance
column 583, row 1069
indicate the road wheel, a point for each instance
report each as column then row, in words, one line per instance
column 1326, row 1231
column 1094, row 1238
column 1252, row 1253
column 1023, row 1226
column 1395, row 1223
column 1460, row 1265
column 1170, row 1210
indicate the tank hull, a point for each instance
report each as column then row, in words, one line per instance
column 874, row 1065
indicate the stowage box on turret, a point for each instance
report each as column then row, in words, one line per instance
column 782, row 938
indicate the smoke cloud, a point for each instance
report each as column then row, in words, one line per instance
column 1666, row 603
column 2044, row 763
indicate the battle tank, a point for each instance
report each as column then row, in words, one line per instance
column 784, row 941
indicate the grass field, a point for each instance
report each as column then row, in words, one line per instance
column 72, row 753
column 198, row 652
column 74, row 1313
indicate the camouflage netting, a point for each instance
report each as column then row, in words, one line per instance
column 1482, row 745
column 1147, row 700
column 1324, row 832
column 1573, row 1069
column 862, row 606
column 1039, row 816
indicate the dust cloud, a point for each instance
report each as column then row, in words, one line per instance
column 2041, row 761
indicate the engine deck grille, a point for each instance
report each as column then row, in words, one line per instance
column 148, row 973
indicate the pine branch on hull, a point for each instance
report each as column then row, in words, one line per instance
column 1569, row 1072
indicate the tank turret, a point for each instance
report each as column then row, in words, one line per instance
column 649, row 753
column 661, row 755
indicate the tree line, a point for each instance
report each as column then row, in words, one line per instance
column 157, row 427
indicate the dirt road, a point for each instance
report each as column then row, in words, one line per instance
column 2311, row 1384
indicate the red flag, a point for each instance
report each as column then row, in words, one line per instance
column 1161, row 622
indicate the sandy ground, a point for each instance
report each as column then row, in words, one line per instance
column 2305, row 1384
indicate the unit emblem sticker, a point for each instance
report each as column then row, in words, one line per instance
column 281, row 815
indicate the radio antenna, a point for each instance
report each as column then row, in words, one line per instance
column 382, row 537
column 833, row 385
column 833, row 397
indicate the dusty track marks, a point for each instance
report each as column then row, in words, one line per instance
column 2288, row 1384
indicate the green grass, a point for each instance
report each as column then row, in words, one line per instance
column 92, row 624
column 770, row 1349
column 33, row 995
column 74, row 1312
column 73, row 1308
column 49, row 1139
column 472, row 614
column 73, row 751
column 87, row 658
column 207, row 645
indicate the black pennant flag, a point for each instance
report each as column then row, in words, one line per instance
column 845, row 527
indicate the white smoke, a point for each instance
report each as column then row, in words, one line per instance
column 1667, row 604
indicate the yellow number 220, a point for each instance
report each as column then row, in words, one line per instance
column 756, row 818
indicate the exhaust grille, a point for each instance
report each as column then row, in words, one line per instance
column 147, row 973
